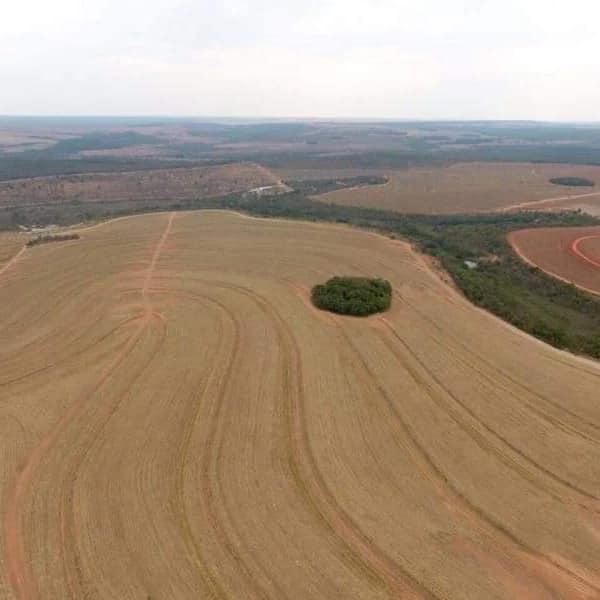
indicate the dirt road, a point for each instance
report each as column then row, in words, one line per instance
column 176, row 421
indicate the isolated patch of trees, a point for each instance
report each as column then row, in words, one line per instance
column 46, row 239
column 573, row 181
column 357, row 296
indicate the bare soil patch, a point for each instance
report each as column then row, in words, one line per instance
column 571, row 253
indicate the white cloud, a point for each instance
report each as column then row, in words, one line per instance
column 461, row 59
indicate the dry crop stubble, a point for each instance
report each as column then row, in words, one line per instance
column 473, row 187
column 177, row 422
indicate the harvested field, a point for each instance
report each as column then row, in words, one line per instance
column 588, row 202
column 569, row 253
column 167, row 185
column 466, row 187
column 178, row 421
column 10, row 243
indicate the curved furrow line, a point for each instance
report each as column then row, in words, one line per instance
column 506, row 459
column 471, row 429
column 210, row 507
column 219, row 454
column 510, row 462
column 550, row 419
column 578, row 252
column 75, row 355
column 408, row 441
column 580, row 367
column 59, row 280
column 19, row 569
column 16, row 559
column 209, row 577
column 217, row 433
column 529, row 406
column 472, row 508
column 209, row 500
column 501, row 373
column 51, row 335
column 74, row 573
column 368, row 558
column 50, row 307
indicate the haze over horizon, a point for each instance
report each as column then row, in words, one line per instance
column 332, row 59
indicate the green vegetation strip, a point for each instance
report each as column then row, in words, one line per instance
column 475, row 252
column 356, row 296
column 472, row 248
column 48, row 239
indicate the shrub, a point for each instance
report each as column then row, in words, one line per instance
column 46, row 239
column 357, row 296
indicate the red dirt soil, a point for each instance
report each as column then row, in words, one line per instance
column 571, row 254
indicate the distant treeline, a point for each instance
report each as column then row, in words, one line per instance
column 573, row 181
column 539, row 304
column 47, row 239
column 314, row 187
column 25, row 165
column 549, row 309
column 99, row 141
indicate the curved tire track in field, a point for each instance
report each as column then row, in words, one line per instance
column 471, row 431
column 481, row 440
column 576, row 250
column 215, row 589
column 74, row 571
column 366, row 556
column 501, row 374
column 473, row 509
column 206, row 547
column 19, row 569
column 72, row 356
column 214, row 496
column 494, row 530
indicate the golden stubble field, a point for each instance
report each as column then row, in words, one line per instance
column 177, row 421
column 474, row 187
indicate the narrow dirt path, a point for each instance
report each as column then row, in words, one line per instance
column 13, row 260
column 17, row 560
column 535, row 203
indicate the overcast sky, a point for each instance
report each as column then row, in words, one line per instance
column 459, row 59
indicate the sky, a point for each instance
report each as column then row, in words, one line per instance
column 431, row 59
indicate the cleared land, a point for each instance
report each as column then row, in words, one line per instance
column 167, row 185
column 466, row 187
column 178, row 421
column 571, row 253
column 588, row 202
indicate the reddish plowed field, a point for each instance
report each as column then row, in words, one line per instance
column 569, row 253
